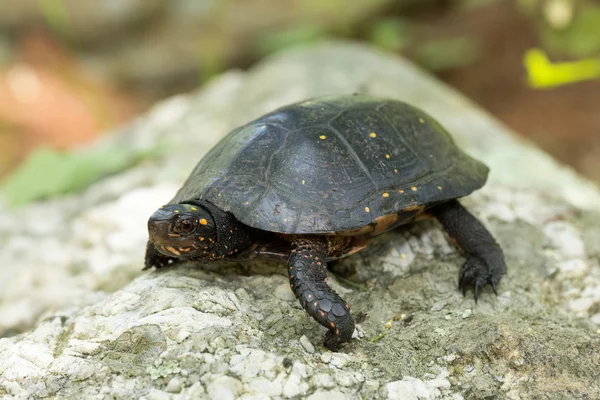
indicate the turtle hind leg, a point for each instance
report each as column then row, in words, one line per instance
column 307, row 271
column 485, row 263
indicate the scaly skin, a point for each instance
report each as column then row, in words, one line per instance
column 485, row 259
column 308, row 279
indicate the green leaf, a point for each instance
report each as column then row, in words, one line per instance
column 48, row 172
column 580, row 39
column 390, row 34
column 56, row 14
column 448, row 53
column 288, row 37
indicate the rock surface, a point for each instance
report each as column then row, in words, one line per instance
column 80, row 320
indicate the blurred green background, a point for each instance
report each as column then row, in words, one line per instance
column 71, row 70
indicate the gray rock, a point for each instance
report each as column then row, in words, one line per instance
column 80, row 320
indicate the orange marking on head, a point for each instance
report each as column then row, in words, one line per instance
column 386, row 194
column 173, row 250
column 203, row 221
column 332, row 324
column 413, row 188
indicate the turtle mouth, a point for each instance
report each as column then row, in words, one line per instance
column 175, row 251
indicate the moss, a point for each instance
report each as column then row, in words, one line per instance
column 133, row 350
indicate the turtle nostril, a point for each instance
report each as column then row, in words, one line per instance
column 157, row 229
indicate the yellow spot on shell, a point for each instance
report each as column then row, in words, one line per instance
column 246, row 203
column 403, row 256
column 414, row 188
column 386, row 195
column 373, row 135
column 400, row 191
column 194, row 209
column 303, row 181
column 421, row 120
column 387, row 156
column 395, row 171
column 202, row 238
column 203, row 222
column 440, row 188
column 367, row 209
column 322, row 137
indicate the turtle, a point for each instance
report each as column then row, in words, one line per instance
column 315, row 181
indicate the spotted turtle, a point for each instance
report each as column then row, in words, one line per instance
column 315, row 181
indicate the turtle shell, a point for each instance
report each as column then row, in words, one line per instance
column 333, row 164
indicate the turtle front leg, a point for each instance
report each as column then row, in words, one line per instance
column 485, row 259
column 308, row 279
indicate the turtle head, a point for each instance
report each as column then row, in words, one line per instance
column 184, row 231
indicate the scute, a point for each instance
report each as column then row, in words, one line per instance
column 333, row 164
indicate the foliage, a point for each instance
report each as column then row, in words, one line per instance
column 273, row 41
column 581, row 38
column 391, row 33
column 48, row 172
column 448, row 53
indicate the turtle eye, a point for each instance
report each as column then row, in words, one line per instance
column 185, row 224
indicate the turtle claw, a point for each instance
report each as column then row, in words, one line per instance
column 493, row 283
column 331, row 341
column 481, row 271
